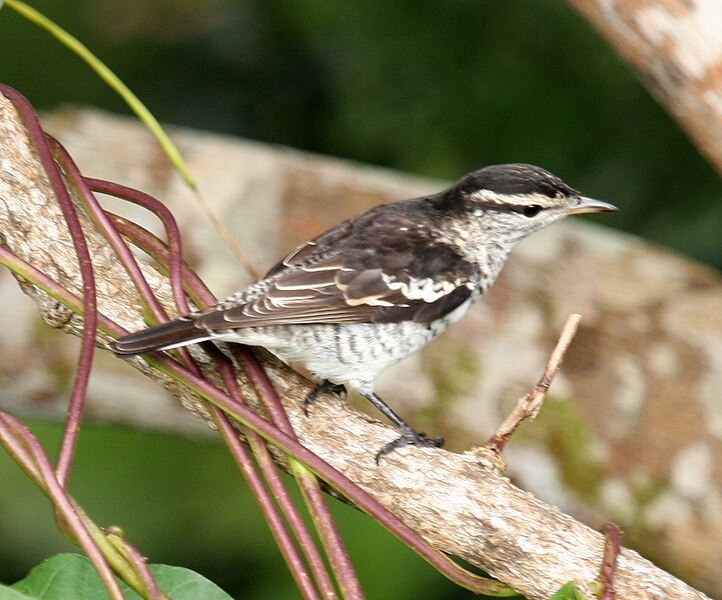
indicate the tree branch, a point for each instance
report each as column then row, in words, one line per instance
column 457, row 501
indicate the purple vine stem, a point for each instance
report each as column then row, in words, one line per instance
column 288, row 550
column 90, row 321
column 153, row 246
column 336, row 550
column 42, row 145
column 139, row 562
column 243, row 461
column 28, row 452
column 245, row 465
column 286, row 443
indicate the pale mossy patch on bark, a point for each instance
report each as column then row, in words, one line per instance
column 566, row 435
column 454, row 372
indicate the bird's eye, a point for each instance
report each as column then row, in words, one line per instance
column 532, row 210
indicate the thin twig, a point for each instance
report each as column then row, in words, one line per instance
column 529, row 405
column 612, row 546
column 225, row 234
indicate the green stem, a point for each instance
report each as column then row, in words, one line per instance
column 76, row 46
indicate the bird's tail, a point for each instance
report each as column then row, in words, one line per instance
column 173, row 334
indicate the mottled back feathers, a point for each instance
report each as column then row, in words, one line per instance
column 383, row 266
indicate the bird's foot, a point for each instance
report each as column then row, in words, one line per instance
column 322, row 386
column 410, row 438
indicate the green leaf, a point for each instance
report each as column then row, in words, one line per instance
column 568, row 591
column 63, row 576
column 72, row 576
column 7, row 593
column 183, row 584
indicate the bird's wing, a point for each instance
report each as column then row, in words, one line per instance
column 385, row 267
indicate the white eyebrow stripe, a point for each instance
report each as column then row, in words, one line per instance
column 513, row 199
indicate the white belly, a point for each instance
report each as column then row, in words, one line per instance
column 352, row 353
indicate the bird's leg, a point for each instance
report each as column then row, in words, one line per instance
column 409, row 437
column 322, row 385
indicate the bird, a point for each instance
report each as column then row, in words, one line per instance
column 379, row 286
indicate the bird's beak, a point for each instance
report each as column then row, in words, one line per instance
column 590, row 205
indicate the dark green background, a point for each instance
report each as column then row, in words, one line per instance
column 434, row 88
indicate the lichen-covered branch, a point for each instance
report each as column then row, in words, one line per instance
column 676, row 48
column 457, row 501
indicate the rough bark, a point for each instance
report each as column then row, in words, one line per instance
column 458, row 501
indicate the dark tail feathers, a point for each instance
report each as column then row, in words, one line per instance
column 176, row 333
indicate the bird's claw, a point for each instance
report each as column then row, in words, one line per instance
column 410, row 438
column 322, row 386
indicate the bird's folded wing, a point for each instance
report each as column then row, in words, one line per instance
column 330, row 292
column 387, row 268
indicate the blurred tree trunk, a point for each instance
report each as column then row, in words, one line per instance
column 676, row 47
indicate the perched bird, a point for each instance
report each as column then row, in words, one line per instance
column 379, row 286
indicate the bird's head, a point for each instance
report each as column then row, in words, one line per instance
column 508, row 202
